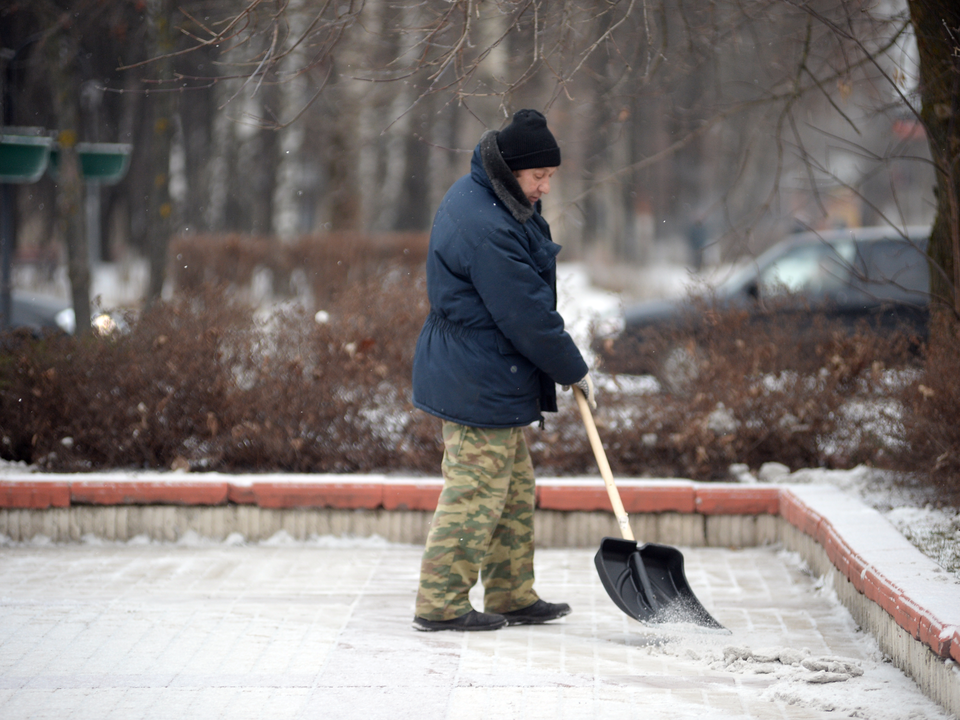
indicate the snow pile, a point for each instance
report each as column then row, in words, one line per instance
column 789, row 662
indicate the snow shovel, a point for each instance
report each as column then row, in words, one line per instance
column 647, row 582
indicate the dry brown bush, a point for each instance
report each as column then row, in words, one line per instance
column 757, row 390
column 204, row 382
column 792, row 419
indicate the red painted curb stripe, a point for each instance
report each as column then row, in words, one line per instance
column 34, row 495
column 414, row 496
column 411, row 497
column 792, row 510
column 737, row 501
column 573, row 499
column 908, row 616
column 646, row 499
column 148, row 493
column 868, row 580
column 653, row 498
column 345, row 496
column 858, row 571
column 241, row 494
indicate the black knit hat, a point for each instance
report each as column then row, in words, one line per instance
column 527, row 143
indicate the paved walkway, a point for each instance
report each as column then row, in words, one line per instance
column 322, row 630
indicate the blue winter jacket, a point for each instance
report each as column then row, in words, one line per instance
column 493, row 346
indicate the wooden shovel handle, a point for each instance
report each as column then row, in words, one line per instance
column 602, row 463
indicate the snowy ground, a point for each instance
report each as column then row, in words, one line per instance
column 321, row 629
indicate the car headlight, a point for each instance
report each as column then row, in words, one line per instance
column 104, row 325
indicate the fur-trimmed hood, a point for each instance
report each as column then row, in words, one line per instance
column 504, row 184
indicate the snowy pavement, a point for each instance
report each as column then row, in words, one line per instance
column 321, row 629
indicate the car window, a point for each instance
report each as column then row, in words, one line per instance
column 893, row 270
column 816, row 270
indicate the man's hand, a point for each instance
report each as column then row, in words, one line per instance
column 586, row 384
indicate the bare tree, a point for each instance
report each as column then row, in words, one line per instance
column 56, row 59
column 937, row 27
column 61, row 50
column 160, row 208
column 56, row 65
column 743, row 117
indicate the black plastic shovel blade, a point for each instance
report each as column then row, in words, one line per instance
column 648, row 583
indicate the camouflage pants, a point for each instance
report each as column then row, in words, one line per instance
column 483, row 525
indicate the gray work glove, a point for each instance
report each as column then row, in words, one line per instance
column 586, row 384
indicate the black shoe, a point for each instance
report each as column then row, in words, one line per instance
column 539, row 612
column 472, row 621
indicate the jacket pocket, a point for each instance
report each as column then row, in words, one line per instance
column 545, row 256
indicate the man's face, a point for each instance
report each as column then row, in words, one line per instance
column 535, row 182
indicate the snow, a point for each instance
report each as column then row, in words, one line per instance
column 935, row 532
column 283, row 628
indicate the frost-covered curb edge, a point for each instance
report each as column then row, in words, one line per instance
column 903, row 598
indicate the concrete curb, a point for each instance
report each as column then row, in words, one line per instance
column 905, row 599
column 371, row 492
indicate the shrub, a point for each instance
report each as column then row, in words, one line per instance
column 746, row 389
column 205, row 382
column 202, row 382
column 92, row 403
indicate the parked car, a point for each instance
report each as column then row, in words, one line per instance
column 42, row 314
column 873, row 278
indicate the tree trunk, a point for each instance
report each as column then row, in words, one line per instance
column 266, row 163
column 197, row 121
column 415, row 191
column 62, row 53
column 342, row 160
column 163, row 105
column 937, row 27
